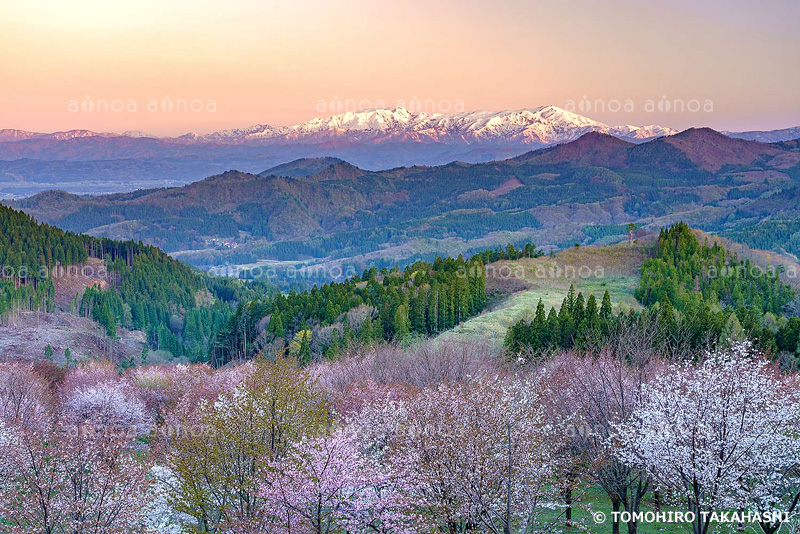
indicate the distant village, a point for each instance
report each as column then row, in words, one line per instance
column 221, row 244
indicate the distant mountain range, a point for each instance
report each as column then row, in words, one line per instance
column 326, row 209
column 768, row 136
column 544, row 125
column 89, row 162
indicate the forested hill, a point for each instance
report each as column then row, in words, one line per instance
column 139, row 288
column 23, row 242
column 694, row 292
column 326, row 208
column 200, row 316
column 782, row 235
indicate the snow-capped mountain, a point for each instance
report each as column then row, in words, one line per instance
column 242, row 135
column 370, row 139
column 138, row 133
column 534, row 127
column 544, row 125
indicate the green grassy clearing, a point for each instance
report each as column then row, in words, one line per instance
column 520, row 284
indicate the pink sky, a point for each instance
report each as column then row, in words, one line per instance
column 281, row 63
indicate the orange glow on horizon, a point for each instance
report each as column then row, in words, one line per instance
column 280, row 63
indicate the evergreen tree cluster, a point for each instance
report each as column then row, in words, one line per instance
column 690, row 275
column 422, row 299
column 707, row 293
column 787, row 339
column 28, row 252
column 26, row 245
column 528, row 250
column 178, row 307
column 695, row 296
column 578, row 322
column 580, row 325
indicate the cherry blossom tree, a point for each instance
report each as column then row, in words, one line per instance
column 89, row 373
column 774, row 483
column 105, row 486
column 327, row 484
column 421, row 365
column 222, row 455
column 27, row 469
column 479, row 455
column 110, row 405
column 68, row 463
column 31, row 481
column 162, row 387
column 159, row 516
column 70, row 479
column 24, row 396
column 721, row 434
column 591, row 395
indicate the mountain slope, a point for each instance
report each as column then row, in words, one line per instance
column 594, row 148
column 768, row 136
column 84, row 161
column 328, row 211
column 121, row 285
column 710, row 150
column 301, row 167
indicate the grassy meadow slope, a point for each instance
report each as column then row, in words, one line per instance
column 517, row 286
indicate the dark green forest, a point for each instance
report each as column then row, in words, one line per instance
column 691, row 274
column 205, row 317
column 770, row 235
column 422, row 299
column 579, row 323
column 28, row 251
column 694, row 296
column 178, row 307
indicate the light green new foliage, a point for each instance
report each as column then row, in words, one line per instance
column 221, row 464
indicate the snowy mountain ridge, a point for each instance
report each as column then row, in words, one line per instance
column 529, row 127
column 538, row 126
column 544, row 125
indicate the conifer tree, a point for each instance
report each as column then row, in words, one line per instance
column 579, row 309
column 605, row 308
column 401, row 327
